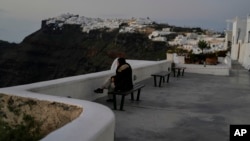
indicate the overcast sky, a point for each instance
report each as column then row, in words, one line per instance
column 20, row 18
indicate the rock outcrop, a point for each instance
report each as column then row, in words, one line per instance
column 46, row 55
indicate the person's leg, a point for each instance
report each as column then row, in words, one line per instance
column 110, row 89
column 105, row 85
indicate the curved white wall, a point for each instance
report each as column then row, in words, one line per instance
column 89, row 126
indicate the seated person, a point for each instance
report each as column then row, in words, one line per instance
column 122, row 81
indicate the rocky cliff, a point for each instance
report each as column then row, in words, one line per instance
column 46, row 55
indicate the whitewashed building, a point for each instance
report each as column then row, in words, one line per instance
column 240, row 38
column 87, row 24
column 158, row 35
column 190, row 43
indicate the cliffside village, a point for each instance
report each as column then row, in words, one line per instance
column 187, row 41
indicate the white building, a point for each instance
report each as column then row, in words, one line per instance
column 190, row 42
column 159, row 35
column 87, row 24
column 196, row 50
column 162, row 39
column 240, row 38
column 179, row 40
column 127, row 30
column 192, row 35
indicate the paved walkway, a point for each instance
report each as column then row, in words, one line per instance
column 195, row 107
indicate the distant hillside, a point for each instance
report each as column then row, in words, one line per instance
column 70, row 45
column 5, row 44
column 45, row 56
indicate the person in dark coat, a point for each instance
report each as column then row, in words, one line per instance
column 123, row 78
column 122, row 81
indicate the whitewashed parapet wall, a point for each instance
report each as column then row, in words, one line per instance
column 221, row 69
column 208, row 69
column 82, row 86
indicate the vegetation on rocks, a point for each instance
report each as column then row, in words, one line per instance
column 26, row 119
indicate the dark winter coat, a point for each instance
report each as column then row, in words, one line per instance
column 123, row 78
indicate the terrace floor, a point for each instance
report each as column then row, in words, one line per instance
column 194, row 107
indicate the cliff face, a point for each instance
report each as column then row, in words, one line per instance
column 46, row 55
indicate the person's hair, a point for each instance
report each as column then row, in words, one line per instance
column 121, row 61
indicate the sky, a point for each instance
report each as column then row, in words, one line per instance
column 20, row 18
